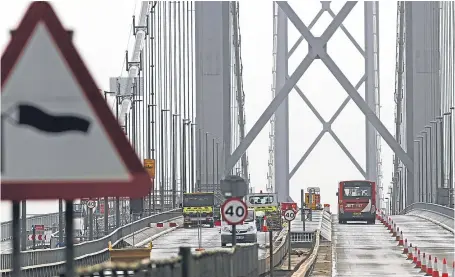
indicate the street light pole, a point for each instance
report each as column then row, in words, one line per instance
column 419, row 180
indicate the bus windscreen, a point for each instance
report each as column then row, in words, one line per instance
column 357, row 189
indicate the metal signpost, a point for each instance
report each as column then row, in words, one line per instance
column 234, row 187
column 40, row 50
column 234, row 211
column 289, row 216
column 302, row 208
column 91, row 204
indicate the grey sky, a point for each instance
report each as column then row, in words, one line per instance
column 102, row 35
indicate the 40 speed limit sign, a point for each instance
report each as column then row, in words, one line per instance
column 289, row 215
column 234, row 211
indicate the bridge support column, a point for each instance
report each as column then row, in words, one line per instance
column 281, row 159
column 213, row 88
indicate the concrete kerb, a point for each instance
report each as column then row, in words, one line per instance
column 152, row 238
column 305, row 267
column 162, row 233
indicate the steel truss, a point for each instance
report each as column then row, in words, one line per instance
column 317, row 50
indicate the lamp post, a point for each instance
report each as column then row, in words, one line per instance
column 420, row 168
column 162, row 177
column 450, row 173
column 429, row 164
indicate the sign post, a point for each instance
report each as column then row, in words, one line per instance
column 302, row 209
column 234, row 186
column 234, row 211
column 91, row 204
column 289, row 216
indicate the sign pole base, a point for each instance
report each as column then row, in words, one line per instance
column 16, row 240
column 69, row 238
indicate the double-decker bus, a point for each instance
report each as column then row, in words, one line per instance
column 356, row 201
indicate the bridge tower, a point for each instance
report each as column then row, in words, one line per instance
column 285, row 81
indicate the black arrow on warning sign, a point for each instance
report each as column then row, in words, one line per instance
column 45, row 122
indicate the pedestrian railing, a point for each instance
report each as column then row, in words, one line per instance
column 87, row 253
column 45, row 219
column 438, row 209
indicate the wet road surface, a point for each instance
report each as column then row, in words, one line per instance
column 361, row 250
column 427, row 236
column 168, row 245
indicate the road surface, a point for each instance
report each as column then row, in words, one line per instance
column 362, row 250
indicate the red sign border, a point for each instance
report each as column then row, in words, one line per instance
column 232, row 200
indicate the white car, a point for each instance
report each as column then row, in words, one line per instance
column 245, row 233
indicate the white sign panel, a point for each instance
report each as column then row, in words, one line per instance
column 234, row 211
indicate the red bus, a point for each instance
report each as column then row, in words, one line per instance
column 356, row 201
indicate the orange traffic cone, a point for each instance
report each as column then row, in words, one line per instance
column 419, row 261
column 405, row 249
column 423, row 268
column 445, row 271
column 429, row 267
column 264, row 225
column 414, row 258
column 400, row 241
column 410, row 252
column 435, row 268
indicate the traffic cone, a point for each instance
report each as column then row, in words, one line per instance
column 419, row 261
column 264, row 225
column 423, row 268
column 429, row 267
column 397, row 234
column 405, row 249
column 414, row 258
column 435, row 268
column 400, row 241
column 410, row 252
column 445, row 271
column 453, row 269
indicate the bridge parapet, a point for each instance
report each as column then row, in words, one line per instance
column 440, row 215
column 243, row 260
column 87, row 253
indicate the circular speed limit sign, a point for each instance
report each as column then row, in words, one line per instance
column 91, row 204
column 289, row 215
column 234, row 211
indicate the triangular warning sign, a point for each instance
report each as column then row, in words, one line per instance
column 59, row 139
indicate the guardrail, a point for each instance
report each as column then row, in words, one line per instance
column 308, row 265
column 39, row 262
column 45, row 219
column 443, row 210
column 239, row 261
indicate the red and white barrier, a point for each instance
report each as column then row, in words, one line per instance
column 38, row 237
column 163, row 224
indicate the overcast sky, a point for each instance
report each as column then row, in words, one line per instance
column 102, row 34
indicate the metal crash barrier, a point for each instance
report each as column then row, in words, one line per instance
column 434, row 208
column 50, row 262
